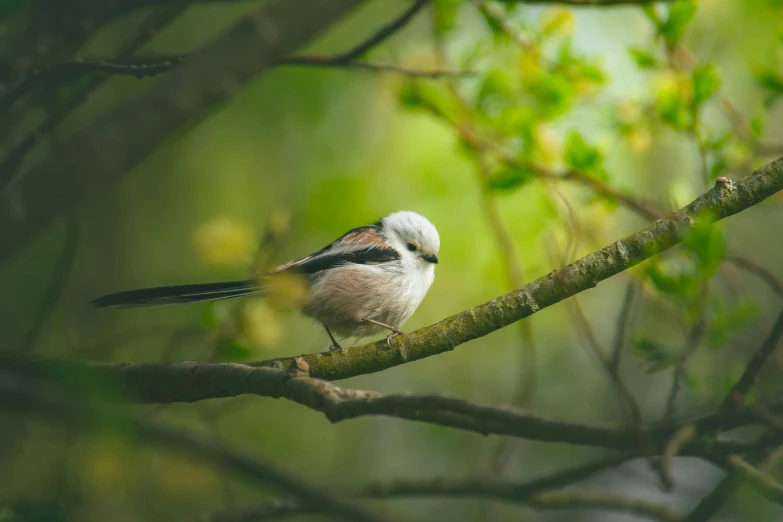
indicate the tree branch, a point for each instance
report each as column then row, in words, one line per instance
column 721, row 201
column 741, row 388
column 94, row 157
column 538, row 493
column 189, row 382
column 18, row 396
column 763, row 482
column 759, row 271
column 545, row 501
column 10, row 164
column 589, row 3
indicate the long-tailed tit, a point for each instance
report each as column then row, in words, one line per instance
column 369, row 280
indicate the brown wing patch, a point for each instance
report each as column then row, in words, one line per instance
column 290, row 264
column 365, row 237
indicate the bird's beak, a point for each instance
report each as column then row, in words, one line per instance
column 431, row 258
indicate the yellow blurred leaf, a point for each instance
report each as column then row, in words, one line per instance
column 260, row 323
column 558, row 21
column 224, row 242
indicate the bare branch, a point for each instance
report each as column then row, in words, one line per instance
column 738, row 392
column 189, row 382
column 535, row 493
column 314, row 60
column 589, row 3
column 59, row 278
column 759, row 271
column 763, row 482
column 94, row 157
column 530, row 494
column 64, row 70
column 60, row 71
column 10, row 164
column 17, row 396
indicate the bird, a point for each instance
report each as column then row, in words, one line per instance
column 368, row 281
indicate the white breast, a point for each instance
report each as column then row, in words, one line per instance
column 343, row 296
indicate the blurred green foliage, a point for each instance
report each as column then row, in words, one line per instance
column 654, row 102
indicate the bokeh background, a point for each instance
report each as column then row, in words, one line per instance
column 303, row 154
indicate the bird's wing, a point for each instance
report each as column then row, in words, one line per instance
column 364, row 245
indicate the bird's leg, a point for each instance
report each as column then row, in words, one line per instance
column 395, row 331
column 334, row 345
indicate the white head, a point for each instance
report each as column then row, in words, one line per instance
column 412, row 235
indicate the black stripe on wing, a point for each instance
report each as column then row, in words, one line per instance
column 365, row 256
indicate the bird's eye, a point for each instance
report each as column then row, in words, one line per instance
column 412, row 247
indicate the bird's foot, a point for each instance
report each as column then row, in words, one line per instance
column 392, row 335
column 335, row 347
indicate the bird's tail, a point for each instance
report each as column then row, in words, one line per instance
column 165, row 295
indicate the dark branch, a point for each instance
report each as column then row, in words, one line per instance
column 18, row 396
column 759, row 271
column 62, row 71
column 539, row 494
column 328, row 61
column 738, row 392
column 94, row 157
column 190, row 382
column 59, row 72
column 589, row 3
column 153, row 23
column 381, row 35
column 59, row 278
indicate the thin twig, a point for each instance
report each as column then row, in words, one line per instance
column 741, row 388
column 623, row 325
column 680, row 438
column 327, row 61
column 19, row 396
column 763, row 482
column 759, row 271
column 10, row 164
column 57, row 284
column 539, row 494
column 59, row 72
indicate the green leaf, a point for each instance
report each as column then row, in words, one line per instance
column 213, row 314
column 725, row 321
column 757, row 124
column 581, row 155
column 494, row 26
column 416, row 95
column 680, row 15
column 660, row 356
column 510, row 178
column 662, row 281
column 770, row 80
column 233, row 350
column 706, row 83
column 554, row 94
column 651, row 13
column 707, row 246
column 644, row 59
column 496, row 85
column 673, row 110
column 445, row 14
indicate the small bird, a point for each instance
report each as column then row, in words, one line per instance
column 370, row 280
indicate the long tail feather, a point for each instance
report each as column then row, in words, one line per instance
column 179, row 294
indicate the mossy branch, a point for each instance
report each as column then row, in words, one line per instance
column 723, row 200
